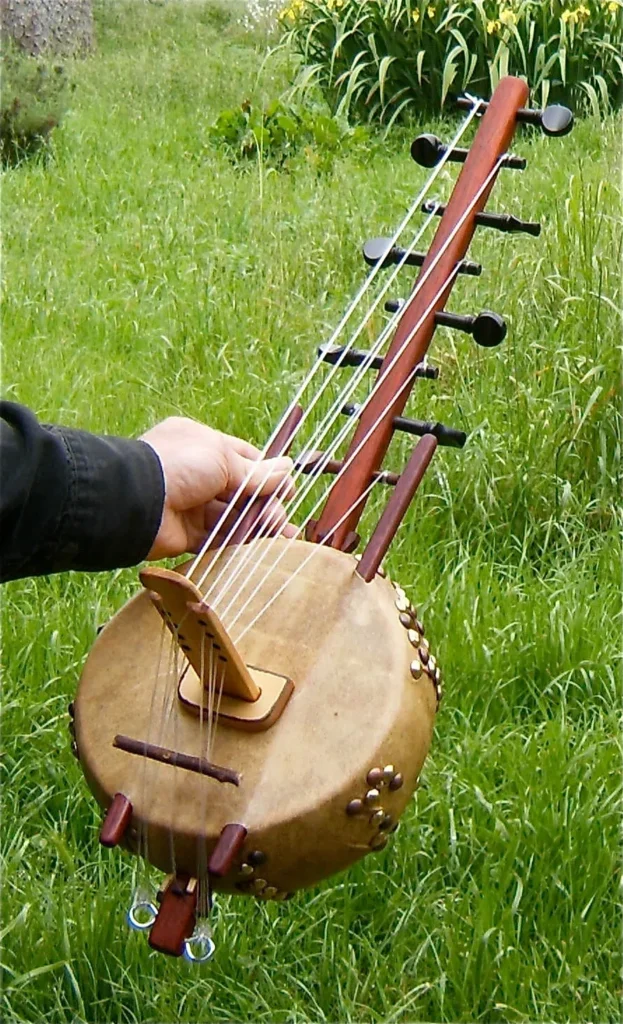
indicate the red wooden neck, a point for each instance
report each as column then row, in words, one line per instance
column 492, row 140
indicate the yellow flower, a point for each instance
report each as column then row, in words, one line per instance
column 431, row 11
column 508, row 17
column 416, row 16
column 569, row 16
column 613, row 7
column 493, row 26
column 583, row 12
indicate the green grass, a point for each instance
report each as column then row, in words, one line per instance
column 145, row 275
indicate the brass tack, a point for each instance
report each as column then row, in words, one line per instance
column 257, row 857
column 424, row 655
column 246, row 870
column 414, row 637
column 388, row 772
column 417, row 624
column 432, row 663
column 405, row 620
column 386, row 823
column 375, row 777
column 396, row 782
column 280, row 895
column 425, row 643
column 416, row 668
column 378, row 841
column 399, row 590
column 270, row 892
column 354, row 807
column 372, row 797
column 402, row 604
column 438, row 676
column 377, row 817
column 259, row 884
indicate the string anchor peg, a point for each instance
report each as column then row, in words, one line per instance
column 380, row 250
column 427, row 150
column 339, row 354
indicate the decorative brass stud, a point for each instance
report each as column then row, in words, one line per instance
column 438, row 676
column 388, row 772
column 405, row 620
column 414, row 637
column 386, row 823
column 375, row 777
column 259, row 884
column 425, row 643
column 257, row 857
column 402, row 603
column 432, row 664
column 246, row 870
column 372, row 797
column 378, row 841
column 377, row 817
column 423, row 655
column 418, row 625
column 270, row 892
column 416, row 668
column 396, row 782
column 354, row 807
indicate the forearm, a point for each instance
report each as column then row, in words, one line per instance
column 73, row 500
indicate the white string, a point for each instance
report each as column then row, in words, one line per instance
column 315, row 550
column 325, row 425
column 387, row 369
column 319, row 361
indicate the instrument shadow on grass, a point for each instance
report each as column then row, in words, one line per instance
column 257, row 720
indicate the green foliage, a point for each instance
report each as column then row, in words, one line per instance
column 280, row 132
column 35, row 95
column 141, row 281
column 383, row 59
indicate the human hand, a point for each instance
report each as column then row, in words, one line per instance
column 202, row 470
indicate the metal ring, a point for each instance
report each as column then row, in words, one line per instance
column 142, row 905
column 203, row 942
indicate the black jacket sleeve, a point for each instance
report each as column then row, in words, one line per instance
column 73, row 500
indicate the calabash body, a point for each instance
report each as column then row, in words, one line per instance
column 320, row 788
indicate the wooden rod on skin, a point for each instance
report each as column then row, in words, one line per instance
column 176, row 759
column 396, row 507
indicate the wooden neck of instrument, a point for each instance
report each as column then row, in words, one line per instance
column 449, row 246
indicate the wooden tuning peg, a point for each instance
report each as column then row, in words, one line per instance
column 427, row 150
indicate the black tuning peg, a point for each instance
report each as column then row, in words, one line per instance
column 487, row 329
column 333, row 354
column 377, row 250
column 449, row 437
column 427, row 151
column 500, row 221
column 554, row 120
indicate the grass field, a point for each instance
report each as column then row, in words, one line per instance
column 146, row 275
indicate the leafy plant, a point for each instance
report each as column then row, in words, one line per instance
column 281, row 131
column 383, row 58
column 34, row 100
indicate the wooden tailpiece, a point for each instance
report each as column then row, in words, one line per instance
column 175, row 921
column 252, row 699
column 468, row 199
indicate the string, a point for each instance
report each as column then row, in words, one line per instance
column 325, row 425
column 398, row 354
column 340, row 437
column 319, row 361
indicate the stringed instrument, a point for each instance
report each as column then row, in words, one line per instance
column 257, row 719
